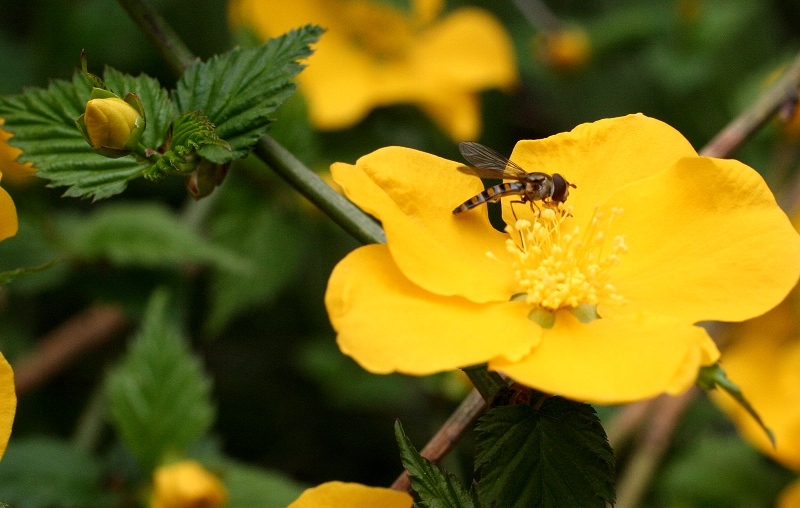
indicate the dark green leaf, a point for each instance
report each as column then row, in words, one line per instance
column 8, row 276
column 144, row 234
column 250, row 487
column 159, row 397
column 713, row 376
column 435, row 488
column 555, row 456
column 43, row 124
column 43, row 472
column 256, row 231
column 239, row 90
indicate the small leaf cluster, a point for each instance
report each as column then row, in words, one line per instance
column 556, row 454
column 217, row 112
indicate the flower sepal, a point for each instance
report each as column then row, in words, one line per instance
column 112, row 126
column 190, row 133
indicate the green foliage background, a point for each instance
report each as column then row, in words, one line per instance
column 245, row 269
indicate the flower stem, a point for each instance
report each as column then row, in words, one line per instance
column 339, row 209
column 448, row 435
column 164, row 39
column 729, row 139
column 305, row 181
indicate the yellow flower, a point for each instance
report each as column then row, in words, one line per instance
column 186, row 484
column 764, row 361
column 564, row 50
column 374, row 55
column 790, row 497
column 8, row 403
column 351, row 495
column 12, row 170
column 657, row 239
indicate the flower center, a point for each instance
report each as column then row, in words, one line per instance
column 384, row 32
column 559, row 269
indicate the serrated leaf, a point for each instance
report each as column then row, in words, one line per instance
column 43, row 124
column 9, row 275
column 251, row 487
column 159, row 397
column 713, row 376
column 435, row 488
column 555, row 456
column 239, row 90
column 44, row 472
column 254, row 230
column 142, row 234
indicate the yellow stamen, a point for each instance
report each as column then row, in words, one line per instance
column 564, row 269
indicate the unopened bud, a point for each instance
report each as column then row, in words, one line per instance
column 112, row 126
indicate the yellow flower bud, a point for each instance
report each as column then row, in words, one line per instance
column 112, row 126
column 564, row 50
column 186, row 484
column 110, row 122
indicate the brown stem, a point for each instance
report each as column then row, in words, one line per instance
column 627, row 421
column 644, row 461
column 90, row 328
column 733, row 135
column 448, row 435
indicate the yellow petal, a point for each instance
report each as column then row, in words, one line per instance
column 603, row 156
column 351, row 495
column 469, row 50
column 610, row 361
column 8, row 216
column 11, row 170
column 388, row 324
column 413, row 194
column 706, row 241
column 8, row 403
column 790, row 496
column 458, row 114
column 186, row 484
column 766, row 366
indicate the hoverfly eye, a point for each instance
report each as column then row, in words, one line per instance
column 560, row 188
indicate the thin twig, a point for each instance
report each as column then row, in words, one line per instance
column 169, row 46
column 627, row 421
column 538, row 15
column 88, row 329
column 448, row 435
column 645, row 460
column 743, row 126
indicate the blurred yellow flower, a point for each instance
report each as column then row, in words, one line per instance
column 186, row 484
column 790, row 497
column 657, row 239
column 375, row 55
column 563, row 50
column 12, row 170
column 351, row 495
column 8, row 403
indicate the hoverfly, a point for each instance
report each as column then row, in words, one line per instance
column 533, row 186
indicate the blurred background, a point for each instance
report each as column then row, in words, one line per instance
column 286, row 399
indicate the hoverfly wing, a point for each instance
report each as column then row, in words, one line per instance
column 487, row 163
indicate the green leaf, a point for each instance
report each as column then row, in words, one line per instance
column 251, row 487
column 143, row 234
column 43, row 124
column 555, row 456
column 159, row 397
column 8, row 276
column 713, row 376
column 435, row 488
column 253, row 229
column 44, row 472
column 239, row 90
